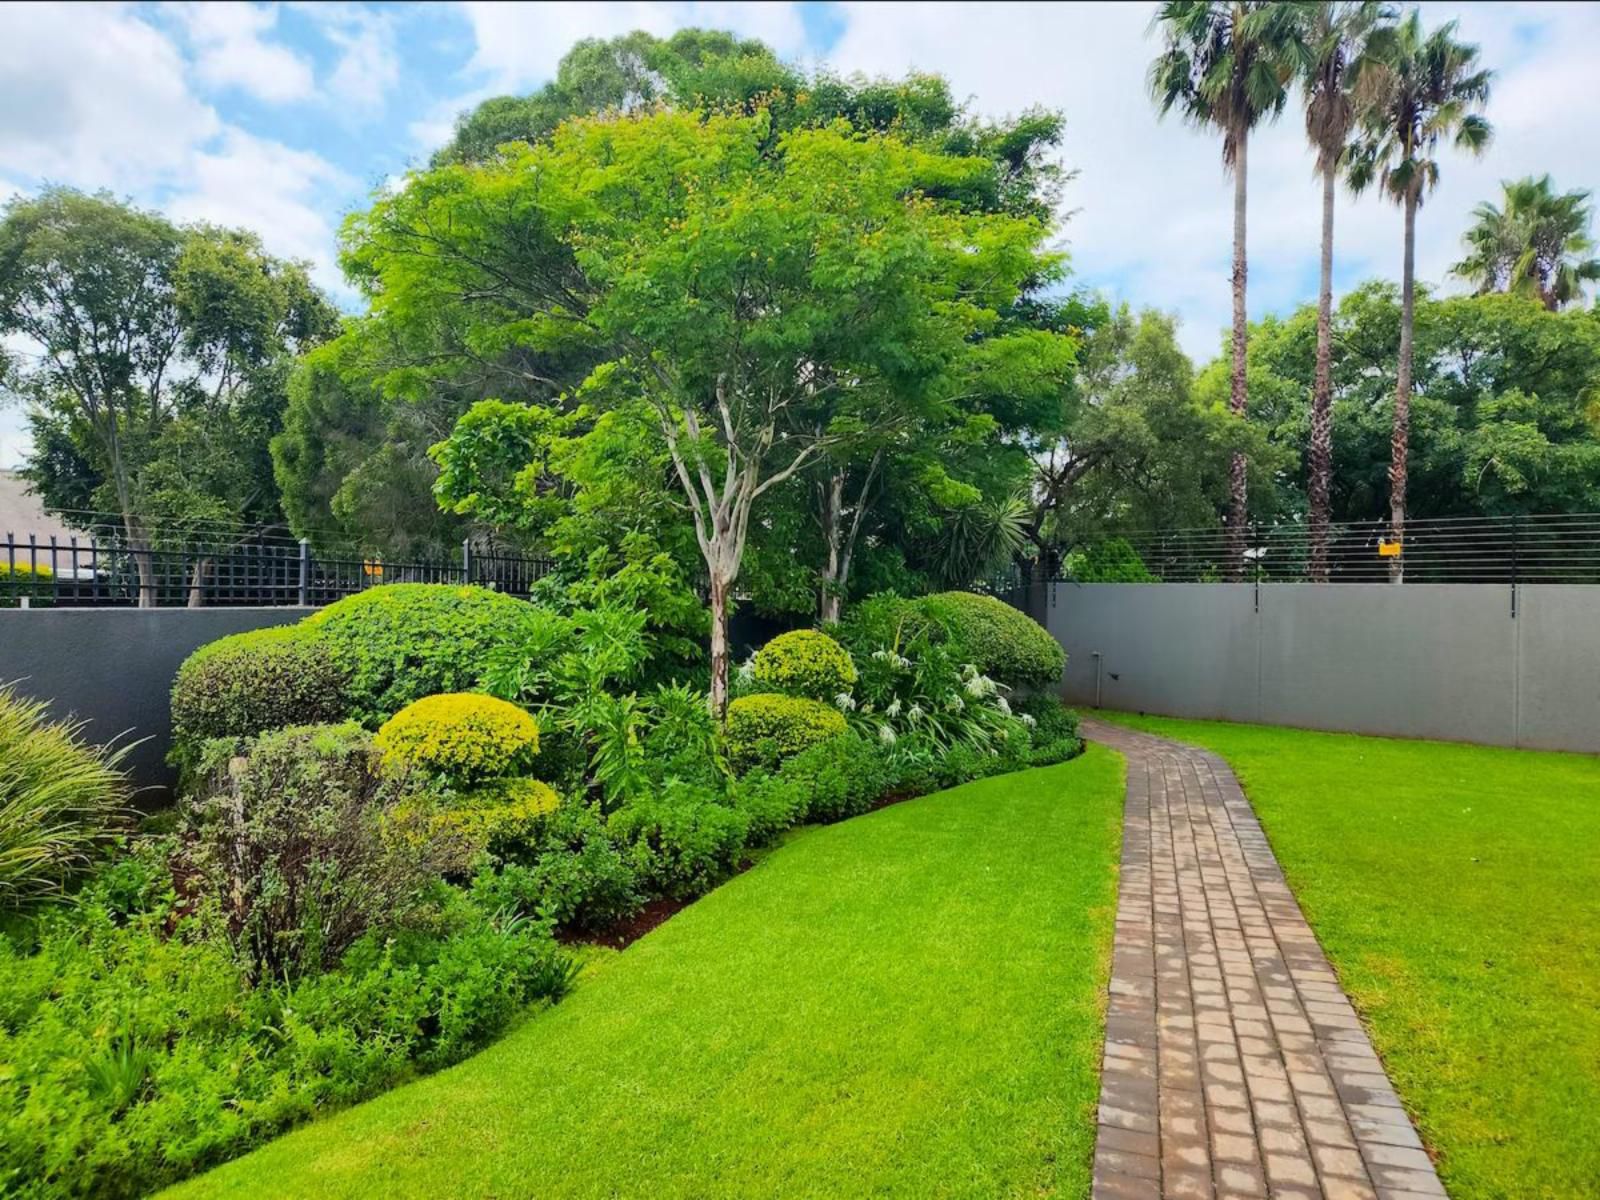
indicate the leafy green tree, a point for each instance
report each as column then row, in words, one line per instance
column 1334, row 40
column 1418, row 90
column 159, row 363
column 1537, row 245
column 1226, row 65
column 757, row 298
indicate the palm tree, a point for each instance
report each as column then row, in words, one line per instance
column 1538, row 245
column 1333, row 44
column 1418, row 90
column 1226, row 65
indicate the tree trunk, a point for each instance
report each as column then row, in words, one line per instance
column 1321, row 457
column 720, row 588
column 831, row 598
column 1238, row 507
column 1400, row 443
column 197, row 583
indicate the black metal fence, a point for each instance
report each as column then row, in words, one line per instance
column 105, row 570
column 1557, row 548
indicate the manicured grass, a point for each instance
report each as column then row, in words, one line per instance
column 1457, row 891
column 906, row 1004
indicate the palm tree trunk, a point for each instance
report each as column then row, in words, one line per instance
column 1400, row 443
column 1321, row 455
column 1238, row 512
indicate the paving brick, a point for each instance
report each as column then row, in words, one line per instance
column 1233, row 1059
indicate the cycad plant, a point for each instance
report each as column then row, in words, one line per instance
column 1418, row 91
column 1226, row 66
column 1536, row 245
column 1333, row 44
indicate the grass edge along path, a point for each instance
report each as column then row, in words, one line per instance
column 1456, row 889
column 905, row 1004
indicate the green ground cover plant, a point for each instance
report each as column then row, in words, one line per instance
column 907, row 1004
column 1457, row 892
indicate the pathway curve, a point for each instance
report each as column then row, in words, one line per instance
column 1234, row 1064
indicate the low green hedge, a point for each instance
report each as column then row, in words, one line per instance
column 1004, row 643
column 766, row 728
column 251, row 682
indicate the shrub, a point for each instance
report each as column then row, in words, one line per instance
column 765, row 728
column 462, row 737
column 1111, row 561
column 805, row 662
column 574, row 875
column 771, row 802
column 60, row 801
column 251, row 682
column 457, row 827
column 1002, row 642
column 403, row 641
column 137, row 1053
column 842, row 777
column 884, row 622
column 25, row 579
column 289, row 841
column 682, row 842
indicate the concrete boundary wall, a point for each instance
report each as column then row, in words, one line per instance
column 1446, row 661
column 113, row 667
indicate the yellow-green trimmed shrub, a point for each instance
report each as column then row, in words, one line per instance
column 456, row 826
column 1002, row 642
column 805, row 662
column 766, row 728
column 461, row 737
column 25, row 579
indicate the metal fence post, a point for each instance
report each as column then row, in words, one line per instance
column 466, row 560
column 305, row 573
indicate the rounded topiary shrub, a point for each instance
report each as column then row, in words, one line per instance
column 1005, row 644
column 461, row 737
column 458, row 826
column 805, row 662
column 765, row 728
column 403, row 641
column 248, row 683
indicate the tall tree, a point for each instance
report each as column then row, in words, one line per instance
column 159, row 358
column 759, row 296
column 1420, row 89
column 1226, row 65
column 1335, row 41
column 1537, row 245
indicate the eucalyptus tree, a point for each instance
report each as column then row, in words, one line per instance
column 1334, row 41
column 1226, row 65
column 1419, row 90
column 1537, row 245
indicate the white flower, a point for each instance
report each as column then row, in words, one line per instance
column 1000, row 703
column 1028, row 720
column 914, row 713
column 845, row 702
column 893, row 710
column 881, row 655
column 956, row 704
column 886, row 735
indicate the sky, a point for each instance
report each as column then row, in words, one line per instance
column 283, row 118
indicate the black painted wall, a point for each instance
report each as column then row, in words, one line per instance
column 113, row 667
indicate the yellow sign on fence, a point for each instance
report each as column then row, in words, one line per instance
column 1388, row 549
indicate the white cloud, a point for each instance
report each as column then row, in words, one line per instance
column 1154, row 208
column 230, row 51
column 368, row 67
column 93, row 97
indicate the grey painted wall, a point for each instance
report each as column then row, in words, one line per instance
column 1444, row 661
column 113, row 667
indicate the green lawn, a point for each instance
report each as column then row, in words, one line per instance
column 1457, row 891
column 906, row 1004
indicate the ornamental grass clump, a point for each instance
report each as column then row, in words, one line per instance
column 61, row 801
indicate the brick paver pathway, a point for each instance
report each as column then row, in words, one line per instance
column 1234, row 1064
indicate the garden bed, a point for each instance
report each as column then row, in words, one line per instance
column 905, row 1004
